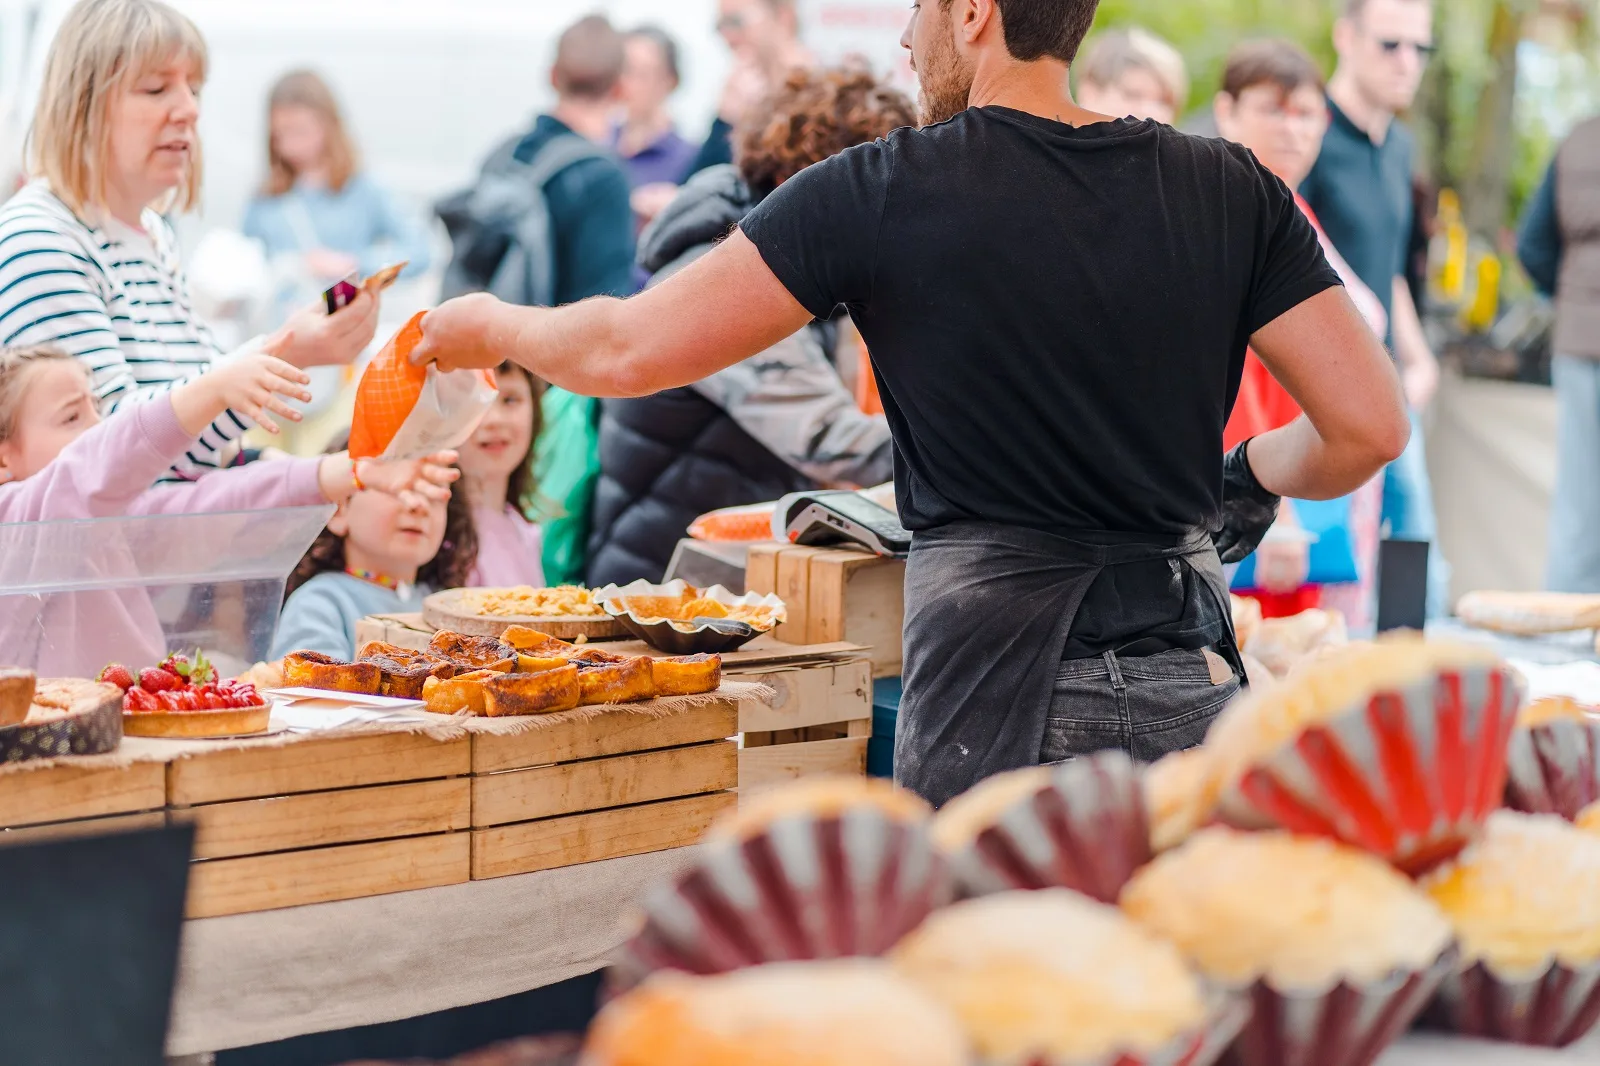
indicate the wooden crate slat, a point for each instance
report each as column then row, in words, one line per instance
column 317, row 819
column 64, row 793
column 322, row 875
column 554, row 842
column 87, row 827
column 548, row 791
column 776, row 763
column 761, row 567
column 794, row 578
column 314, row 765
column 616, row 732
column 860, row 598
column 808, row 694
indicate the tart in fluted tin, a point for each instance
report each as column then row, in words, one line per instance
column 1397, row 747
column 823, row 868
column 1553, row 762
column 1525, row 903
column 1081, row 825
column 1053, row 978
column 1336, row 951
column 66, row 716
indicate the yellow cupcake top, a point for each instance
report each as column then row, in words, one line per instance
column 1527, row 892
column 1260, row 723
column 851, row 1012
column 1174, row 793
column 1052, row 974
column 819, row 797
column 1589, row 818
column 1554, row 709
column 1303, row 913
column 963, row 818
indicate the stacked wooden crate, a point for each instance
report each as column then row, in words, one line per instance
column 835, row 596
column 322, row 819
column 818, row 720
column 80, row 797
column 586, row 785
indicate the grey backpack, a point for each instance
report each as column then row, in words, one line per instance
column 501, row 229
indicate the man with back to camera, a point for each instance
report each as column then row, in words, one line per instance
column 1360, row 189
column 1058, row 306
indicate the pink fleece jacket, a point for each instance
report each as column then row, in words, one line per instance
column 108, row 473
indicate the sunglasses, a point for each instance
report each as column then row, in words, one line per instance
column 1393, row 47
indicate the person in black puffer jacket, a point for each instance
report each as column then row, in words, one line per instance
column 779, row 422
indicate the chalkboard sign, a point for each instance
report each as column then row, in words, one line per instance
column 89, row 947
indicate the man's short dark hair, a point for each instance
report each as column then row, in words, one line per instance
column 589, row 59
column 1039, row 28
column 1270, row 61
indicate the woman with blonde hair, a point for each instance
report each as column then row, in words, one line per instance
column 319, row 216
column 88, row 263
column 1132, row 72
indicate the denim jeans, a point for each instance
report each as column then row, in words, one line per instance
column 1575, row 511
column 1148, row 707
column 1408, row 512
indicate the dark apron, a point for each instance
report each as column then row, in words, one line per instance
column 988, row 611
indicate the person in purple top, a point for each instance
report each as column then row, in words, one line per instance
column 656, row 159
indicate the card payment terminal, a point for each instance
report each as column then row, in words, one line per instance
column 829, row 518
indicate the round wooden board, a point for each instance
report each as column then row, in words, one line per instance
column 445, row 610
column 198, row 725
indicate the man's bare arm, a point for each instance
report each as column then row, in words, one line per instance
column 724, row 307
column 1355, row 422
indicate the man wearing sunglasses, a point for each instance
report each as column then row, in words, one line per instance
column 1361, row 189
column 764, row 37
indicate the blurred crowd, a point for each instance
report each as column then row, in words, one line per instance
column 602, row 194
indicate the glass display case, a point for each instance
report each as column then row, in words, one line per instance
column 75, row 595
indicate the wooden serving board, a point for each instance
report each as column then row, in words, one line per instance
column 446, row 610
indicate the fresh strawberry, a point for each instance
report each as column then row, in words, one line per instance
column 196, row 671
column 139, row 701
column 118, row 675
column 213, row 700
column 155, row 679
column 188, row 700
column 168, row 700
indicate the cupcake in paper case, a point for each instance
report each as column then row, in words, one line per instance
column 1397, row 747
column 1080, row 825
column 1525, row 903
column 1336, row 950
column 824, row 868
column 1553, row 762
column 1052, row 978
column 848, row 1012
column 1174, row 794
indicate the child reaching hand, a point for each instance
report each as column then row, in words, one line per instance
column 59, row 460
column 380, row 554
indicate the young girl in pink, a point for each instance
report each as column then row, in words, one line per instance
column 498, row 476
column 58, row 461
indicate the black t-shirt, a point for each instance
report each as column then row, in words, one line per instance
column 1058, row 319
column 1057, row 316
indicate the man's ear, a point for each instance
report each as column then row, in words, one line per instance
column 974, row 18
column 1344, row 35
column 1222, row 106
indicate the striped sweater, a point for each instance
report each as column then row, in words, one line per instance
column 111, row 296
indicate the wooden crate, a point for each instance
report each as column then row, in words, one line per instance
column 71, row 798
column 591, row 785
column 835, row 596
column 322, row 819
column 818, row 722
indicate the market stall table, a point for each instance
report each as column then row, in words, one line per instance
column 255, row 978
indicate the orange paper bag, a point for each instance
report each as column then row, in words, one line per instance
column 405, row 411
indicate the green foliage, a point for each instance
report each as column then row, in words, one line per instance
column 1205, row 30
